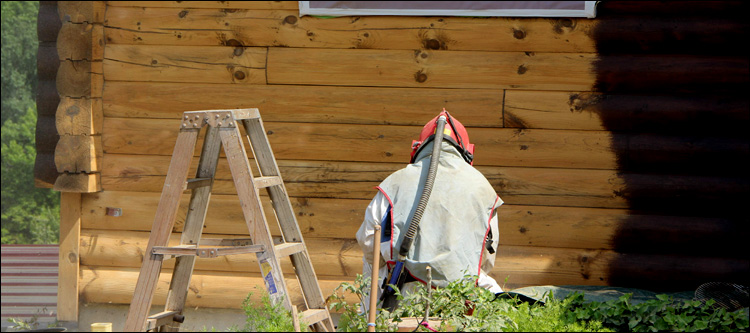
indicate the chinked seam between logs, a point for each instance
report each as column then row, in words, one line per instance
column 186, row 67
column 132, row 30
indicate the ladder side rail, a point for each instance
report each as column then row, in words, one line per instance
column 285, row 215
column 164, row 219
column 253, row 213
column 194, row 222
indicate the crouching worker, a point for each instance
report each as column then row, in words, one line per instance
column 438, row 211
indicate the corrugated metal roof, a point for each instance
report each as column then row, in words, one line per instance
column 29, row 283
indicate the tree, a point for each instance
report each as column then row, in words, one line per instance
column 29, row 214
column 18, row 57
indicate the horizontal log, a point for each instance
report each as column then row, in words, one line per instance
column 646, row 33
column 564, row 227
column 207, row 289
column 78, row 182
column 671, row 74
column 45, row 173
column 672, row 8
column 517, row 266
column 208, row 4
column 79, row 116
column 373, row 143
column 515, row 185
column 473, row 107
column 185, row 64
column 48, row 22
column 46, row 135
column 507, row 70
column 330, row 257
column 631, row 113
column 82, row 11
column 47, row 98
column 495, row 147
column 47, row 61
column 524, row 266
column 78, row 153
column 80, row 79
column 81, row 41
column 623, row 34
column 438, row 69
column 184, row 26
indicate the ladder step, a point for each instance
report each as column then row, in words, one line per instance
column 196, row 183
column 263, row 182
column 163, row 318
column 313, row 316
column 287, row 249
column 206, row 252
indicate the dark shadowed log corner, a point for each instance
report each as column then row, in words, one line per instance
column 47, row 99
column 704, row 141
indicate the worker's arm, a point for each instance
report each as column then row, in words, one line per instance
column 488, row 259
column 374, row 214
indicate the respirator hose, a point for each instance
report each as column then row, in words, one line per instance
column 434, row 160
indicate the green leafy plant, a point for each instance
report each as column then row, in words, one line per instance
column 32, row 323
column 266, row 317
column 452, row 304
column 661, row 314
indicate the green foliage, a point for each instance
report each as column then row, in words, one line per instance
column 32, row 323
column 267, row 317
column 661, row 314
column 29, row 215
column 452, row 303
column 19, row 47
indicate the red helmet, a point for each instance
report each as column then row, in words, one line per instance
column 455, row 133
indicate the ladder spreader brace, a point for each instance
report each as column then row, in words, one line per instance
column 223, row 130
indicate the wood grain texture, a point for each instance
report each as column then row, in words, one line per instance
column 333, row 257
column 437, row 69
column 524, row 266
column 79, row 79
column 78, row 153
column 68, row 274
column 623, row 112
column 182, row 25
column 207, row 4
column 404, row 106
column 78, row 182
column 498, row 147
column 164, row 218
column 82, row 11
column 531, row 186
column 81, row 41
column 520, row 225
column 185, row 64
column 207, row 289
column 79, row 116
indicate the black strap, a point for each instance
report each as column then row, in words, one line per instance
column 488, row 242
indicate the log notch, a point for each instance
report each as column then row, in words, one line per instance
column 77, row 63
column 47, row 99
column 80, row 49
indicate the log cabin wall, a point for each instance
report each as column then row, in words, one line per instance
column 618, row 143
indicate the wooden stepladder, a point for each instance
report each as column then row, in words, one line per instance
column 223, row 130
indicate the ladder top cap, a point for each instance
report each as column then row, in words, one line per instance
column 217, row 118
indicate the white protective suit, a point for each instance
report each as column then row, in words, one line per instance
column 461, row 215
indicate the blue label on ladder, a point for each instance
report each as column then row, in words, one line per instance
column 265, row 268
